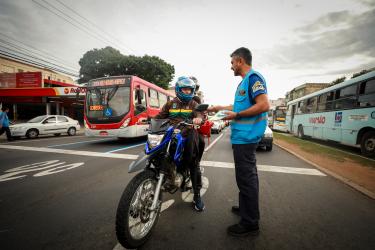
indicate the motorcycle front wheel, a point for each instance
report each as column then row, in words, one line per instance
column 134, row 222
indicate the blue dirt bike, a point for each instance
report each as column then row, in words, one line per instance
column 139, row 207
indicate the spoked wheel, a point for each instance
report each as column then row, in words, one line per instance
column 134, row 218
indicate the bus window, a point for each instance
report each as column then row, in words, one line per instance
column 154, row 101
column 289, row 110
column 300, row 108
column 139, row 101
column 322, row 99
column 367, row 94
column 347, row 98
column 311, row 105
column 162, row 99
column 325, row 102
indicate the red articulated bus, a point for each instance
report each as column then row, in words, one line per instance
column 118, row 106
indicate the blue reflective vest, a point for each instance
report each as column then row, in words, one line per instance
column 247, row 129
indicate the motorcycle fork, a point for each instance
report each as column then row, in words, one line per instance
column 157, row 193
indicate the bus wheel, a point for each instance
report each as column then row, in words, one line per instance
column 300, row 133
column 368, row 144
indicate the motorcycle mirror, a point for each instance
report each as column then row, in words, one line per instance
column 201, row 107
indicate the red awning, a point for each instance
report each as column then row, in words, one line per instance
column 28, row 92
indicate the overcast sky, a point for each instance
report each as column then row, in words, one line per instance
column 293, row 42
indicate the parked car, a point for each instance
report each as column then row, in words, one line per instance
column 267, row 139
column 217, row 127
column 44, row 125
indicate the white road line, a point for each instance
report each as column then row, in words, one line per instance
column 71, row 152
column 126, row 147
column 266, row 168
column 72, row 143
column 213, row 143
column 42, row 139
column 217, row 164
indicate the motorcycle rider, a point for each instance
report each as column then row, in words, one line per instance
column 177, row 110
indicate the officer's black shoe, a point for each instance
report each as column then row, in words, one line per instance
column 239, row 230
column 198, row 203
column 236, row 210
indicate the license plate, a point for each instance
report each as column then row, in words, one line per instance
column 103, row 133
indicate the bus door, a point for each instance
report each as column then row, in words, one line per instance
column 292, row 118
column 140, row 109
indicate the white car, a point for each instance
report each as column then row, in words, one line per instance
column 44, row 125
column 216, row 127
column 267, row 139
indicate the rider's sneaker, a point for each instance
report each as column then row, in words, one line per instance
column 198, row 203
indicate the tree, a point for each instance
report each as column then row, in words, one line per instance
column 362, row 72
column 338, row 80
column 110, row 62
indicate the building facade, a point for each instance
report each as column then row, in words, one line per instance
column 29, row 91
column 303, row 90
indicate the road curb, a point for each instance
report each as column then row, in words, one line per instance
column 339, row 177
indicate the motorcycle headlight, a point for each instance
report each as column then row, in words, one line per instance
column 154, row 140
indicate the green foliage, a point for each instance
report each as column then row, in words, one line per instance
column 110, row 62
column 362, row 72
column 338, row 80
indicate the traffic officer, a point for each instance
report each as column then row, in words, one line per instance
column 249, row 121
column 178, row 109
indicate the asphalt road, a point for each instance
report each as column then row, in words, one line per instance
column 62, row 193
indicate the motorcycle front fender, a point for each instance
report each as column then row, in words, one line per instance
column 138, row 164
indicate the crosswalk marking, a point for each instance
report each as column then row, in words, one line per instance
column 266, row 168
column 217, row 164
column 71, row 152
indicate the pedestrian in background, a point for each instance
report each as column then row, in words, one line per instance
column 249, row 121
column 4, row 123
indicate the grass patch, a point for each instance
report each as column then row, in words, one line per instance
column 330, row 152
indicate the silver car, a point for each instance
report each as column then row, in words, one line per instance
column 45, row 125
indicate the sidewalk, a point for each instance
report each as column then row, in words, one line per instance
column 354, row 170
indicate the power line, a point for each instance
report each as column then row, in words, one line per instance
column 22, row 59
column 48, row 63
column 96, row 26
column 86, row 30
column 98, row 38
column 35, row 49
column 27, row 59
column 33, row 54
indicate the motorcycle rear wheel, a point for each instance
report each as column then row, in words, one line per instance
column 133, row 222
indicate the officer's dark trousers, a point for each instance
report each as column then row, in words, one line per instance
column 7, row 131
column 247, row 182
column 191, row 158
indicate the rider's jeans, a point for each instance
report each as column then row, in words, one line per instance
column 191, row 159
column 247, row 182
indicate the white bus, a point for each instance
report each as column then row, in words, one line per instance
column 276, row 118
column 343, row 113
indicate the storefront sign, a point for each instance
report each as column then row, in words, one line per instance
column 29, row 80
column 21, row 80
column 8, row 80
column 70, row 91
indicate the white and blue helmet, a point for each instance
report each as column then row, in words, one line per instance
column 184, row 82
